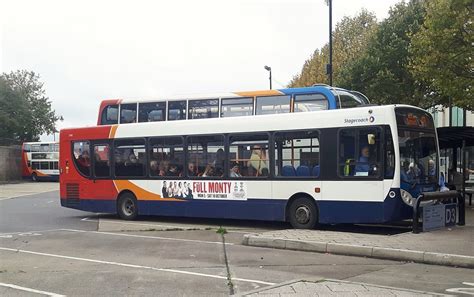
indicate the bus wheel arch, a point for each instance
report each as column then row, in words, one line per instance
column 302, row 211
column 127, row 205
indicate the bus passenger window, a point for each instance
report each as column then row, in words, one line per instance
column 206, row 154
column 129, row 156
column 203, row 109
column 176, row 110
column 109, row 115
column 297, row 154
column 250, row 154
column 166, row 156
column 81, row 157
column 273, row 104
column 151, row 112
column 236, row 107
column 101, row 160
column 359, row 152
column 310, row 102
column 128, row 113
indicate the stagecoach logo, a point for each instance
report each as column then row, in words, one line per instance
column 370, row 119
column 213, row 190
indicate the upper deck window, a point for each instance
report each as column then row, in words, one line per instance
column 273, row 104
column 310, row 102
column 109, row 115
column 128, row 113
column 176, row 110
column 151, row 112
column 236, row 107
column 203, row 109
column 347, row 100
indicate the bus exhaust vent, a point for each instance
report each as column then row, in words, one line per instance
column 72, row 191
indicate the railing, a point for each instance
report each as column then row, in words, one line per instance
column 438, row 196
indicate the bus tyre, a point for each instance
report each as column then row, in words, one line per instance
column 34, row 177
column 303, row 213
column 127, row 207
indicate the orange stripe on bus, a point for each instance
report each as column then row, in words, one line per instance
column 259, row 93
column 112, row 132
column 139, row 192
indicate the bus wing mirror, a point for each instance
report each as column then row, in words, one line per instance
column 371, row 139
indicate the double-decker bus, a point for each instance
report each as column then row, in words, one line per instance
column 357, row 165
column 318, row 97
column 39, row 161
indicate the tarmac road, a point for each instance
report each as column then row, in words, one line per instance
column 53, row 250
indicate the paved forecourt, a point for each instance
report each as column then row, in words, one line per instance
column 12, row 190
column 450, row 246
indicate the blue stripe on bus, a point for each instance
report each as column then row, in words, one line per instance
column 331, row 212
column 323, row 90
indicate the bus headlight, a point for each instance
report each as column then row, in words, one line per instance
column 406, row 197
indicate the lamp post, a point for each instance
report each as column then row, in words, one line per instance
column 329, row 66
column 269, row 69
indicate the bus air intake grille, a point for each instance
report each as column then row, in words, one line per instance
column 72, row 191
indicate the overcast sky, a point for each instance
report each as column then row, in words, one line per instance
column 86, row 51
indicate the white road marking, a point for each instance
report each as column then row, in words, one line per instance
column 467, row 291
column 146, row 236
column 134, row 266
column 29, row 232
column 31, row 290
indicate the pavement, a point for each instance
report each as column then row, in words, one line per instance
column 450, row 246
column 19, row 189
column 329, row 287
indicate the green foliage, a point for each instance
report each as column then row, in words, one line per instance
column 382, row 72
column 25, row 111
column 442, row 52
column 349, row 41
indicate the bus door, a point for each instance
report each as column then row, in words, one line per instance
column 101, row 170
column 358, row 185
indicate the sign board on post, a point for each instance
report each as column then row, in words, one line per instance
column 439, row 216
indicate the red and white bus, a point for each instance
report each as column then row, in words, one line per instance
column 39, row 161
column 357, row 165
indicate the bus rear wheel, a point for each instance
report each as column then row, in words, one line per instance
column 34, row 177
column 127, row 206
column 303, row 213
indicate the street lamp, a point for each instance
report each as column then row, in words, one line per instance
column 269, row 69
column 329, row 66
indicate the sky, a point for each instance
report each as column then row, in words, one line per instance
column 87, row 51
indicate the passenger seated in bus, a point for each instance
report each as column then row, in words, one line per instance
column 84, row 159
column 163, row 167
column 132, row 159
column 172, row 171
column 431, row 171
column 154, row 168
column 258, row 161
column 362, row 165
column 219, row 162
column 414, row 172
column 235, row 170
column 191, row 169
column 209, row 171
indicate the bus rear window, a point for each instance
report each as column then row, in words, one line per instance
column 109, row 115
column 82, row 157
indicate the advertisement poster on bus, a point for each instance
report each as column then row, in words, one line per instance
column 212, row 190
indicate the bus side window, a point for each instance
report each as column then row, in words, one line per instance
column 236, row 107
column 128, row 113
column 273, row 104
column 129, row 156
column 207, row 154
column 176, row 110
column 166, row 156
column 310, row 102
column 81, row 157
column 203, row 109
column 151, row 112
column 297, row 154
column 389, row 154
column 101, row 160
column 248, row 155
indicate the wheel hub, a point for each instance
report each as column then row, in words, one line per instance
column 303, row 214
column 128, row 207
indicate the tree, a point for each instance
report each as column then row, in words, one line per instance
column 442, row 52
column 24, row 108
column 350, row 39
column 382, row 72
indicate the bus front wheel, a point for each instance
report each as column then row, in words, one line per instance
column 303, row 213
column 127, row 207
